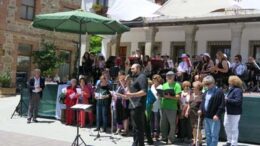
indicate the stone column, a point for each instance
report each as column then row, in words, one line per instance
column 118, row 40
column 150, row 34
column 190, row 33
column 236, row 35
column 106, row 47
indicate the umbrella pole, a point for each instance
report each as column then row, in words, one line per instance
column 79, row 50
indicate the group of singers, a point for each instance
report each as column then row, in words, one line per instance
column 170, row 117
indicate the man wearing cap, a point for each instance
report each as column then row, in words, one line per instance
column 169, row 108
column 184, row 68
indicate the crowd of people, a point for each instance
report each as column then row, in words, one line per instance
column 165, row 101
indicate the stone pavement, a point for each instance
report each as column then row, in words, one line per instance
column 15, row 139
column 48, row 132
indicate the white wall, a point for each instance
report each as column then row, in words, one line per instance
column 166, row 35
column 250, row 33
column 205, row 33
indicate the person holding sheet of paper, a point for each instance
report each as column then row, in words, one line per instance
column 121, row 103
column 169, row 108
column 137, row 98
column 71, row 97
column 102, row 96
column 84, row 97
column 36, row 86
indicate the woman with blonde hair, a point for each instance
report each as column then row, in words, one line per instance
column 194, row 104
column 220, row 71
column 233, row 109
column 155, row 116
column 185, row 129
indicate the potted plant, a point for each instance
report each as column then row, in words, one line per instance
column 97, row 8
column 5, row 84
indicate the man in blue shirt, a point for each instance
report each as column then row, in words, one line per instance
column 212, row 107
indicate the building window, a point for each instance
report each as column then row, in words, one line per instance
column 24, row 58
column 157, row 48
column 64, row 69
column 255, row 50
column 177, row 49
column 102, row 2
column 223, row 46
column 27, row 9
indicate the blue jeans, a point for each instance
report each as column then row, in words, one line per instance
column 212, row 129
column 101, row 115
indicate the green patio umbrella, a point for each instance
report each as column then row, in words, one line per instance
column 80, row 22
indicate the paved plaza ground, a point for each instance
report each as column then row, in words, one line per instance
column 49, row 132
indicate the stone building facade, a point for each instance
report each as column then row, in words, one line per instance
column 18, row 39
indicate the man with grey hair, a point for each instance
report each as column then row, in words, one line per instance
column 36, row 86
column 212, row 107
column 137, row 95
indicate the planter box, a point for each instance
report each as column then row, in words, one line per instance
column 7, row 91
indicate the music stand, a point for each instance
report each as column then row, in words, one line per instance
column 112, row 136
column 112, row 133
column 77, row 108
column 19, row 107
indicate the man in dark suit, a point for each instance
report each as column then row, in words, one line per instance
column 36, row 85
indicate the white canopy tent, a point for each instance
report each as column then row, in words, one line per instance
column 194, row 8
column 127, row 10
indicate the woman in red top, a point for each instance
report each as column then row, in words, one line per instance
column 70, row 100
column 84, row 99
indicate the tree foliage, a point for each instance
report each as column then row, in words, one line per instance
column 46, row 58
column 95, row 44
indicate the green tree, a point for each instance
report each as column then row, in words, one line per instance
column 47, row 59
column 95, row 44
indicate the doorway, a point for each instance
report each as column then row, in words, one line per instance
column 122, row 53
column 177, row 48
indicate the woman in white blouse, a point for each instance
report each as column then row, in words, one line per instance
column 155, row 117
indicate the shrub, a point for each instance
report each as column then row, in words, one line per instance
column 5, row 79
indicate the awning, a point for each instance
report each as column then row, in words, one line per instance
column 127, row 10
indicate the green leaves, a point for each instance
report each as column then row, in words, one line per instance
column 95, row 44
column 5, row 79
column 47, row 59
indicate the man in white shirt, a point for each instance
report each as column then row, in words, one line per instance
column 238, row 68
column 36, row 86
